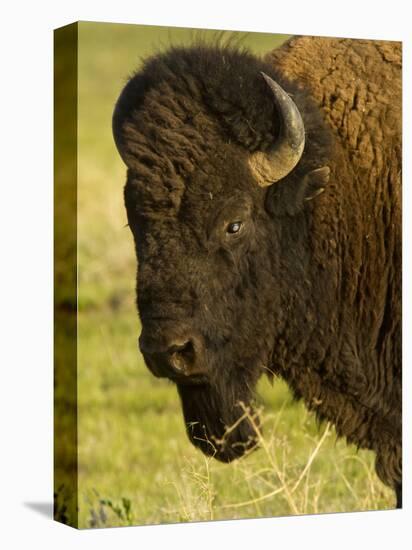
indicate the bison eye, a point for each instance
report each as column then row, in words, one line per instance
column 234, row 227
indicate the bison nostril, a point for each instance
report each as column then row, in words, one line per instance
column 173, row 353
column 182, row 356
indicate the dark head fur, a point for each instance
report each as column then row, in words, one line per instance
column 187, row 124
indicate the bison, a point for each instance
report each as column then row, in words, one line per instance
column 264, row 198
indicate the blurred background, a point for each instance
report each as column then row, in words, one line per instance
column 136, row 465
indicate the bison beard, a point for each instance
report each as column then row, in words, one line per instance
column 219, row 420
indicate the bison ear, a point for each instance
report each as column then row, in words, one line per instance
column 291, row 198
column 314, row 183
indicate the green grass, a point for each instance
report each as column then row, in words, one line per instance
column 136, row 465
column 132, row 445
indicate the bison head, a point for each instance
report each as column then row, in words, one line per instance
column 205, row 133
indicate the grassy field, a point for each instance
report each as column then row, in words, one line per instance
column 136, row 465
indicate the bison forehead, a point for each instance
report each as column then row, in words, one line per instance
column 186, row 111
column 219, row 186
column 178, row 152
column 166, row 145
column 161, row 183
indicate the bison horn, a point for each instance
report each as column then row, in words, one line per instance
column 276, row 164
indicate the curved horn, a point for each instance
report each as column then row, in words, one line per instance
column 277, row 163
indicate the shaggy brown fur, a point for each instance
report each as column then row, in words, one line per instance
column 309, row 289
column 357, row 84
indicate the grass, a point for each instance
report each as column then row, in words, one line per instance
column 136, row 465
column 133, row 446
